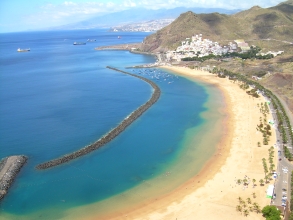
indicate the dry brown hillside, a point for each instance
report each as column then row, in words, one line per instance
column 269, row 28
column 253, row 24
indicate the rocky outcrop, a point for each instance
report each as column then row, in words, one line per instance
column 9, row 168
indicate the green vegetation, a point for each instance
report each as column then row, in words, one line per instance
column 261, row 73
column 287, row 153
column 251, row 54
column 284, row 125
column 271, row 212
column 253, row 93
column 201, row 59
column 263, row 127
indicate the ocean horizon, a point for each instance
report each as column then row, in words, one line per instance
column 60, row 97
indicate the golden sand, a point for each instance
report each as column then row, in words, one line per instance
column 213, row 194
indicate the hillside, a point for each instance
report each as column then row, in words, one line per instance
column 269, row 28
column 253, row 24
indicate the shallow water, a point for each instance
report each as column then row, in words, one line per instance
column 58, row 98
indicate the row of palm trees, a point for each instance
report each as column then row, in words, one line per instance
column 283, row 122
column 263, row 126
column 278, row 107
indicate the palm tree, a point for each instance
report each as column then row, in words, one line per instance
column 256, row 207
column 239, row 199
column 254, row 195
column 244, row 181
column 253, row 180
column 239, row 208
column 261, row 182
column 248, row 200
column 267, row 177
column 239, row 181
column 246, row 212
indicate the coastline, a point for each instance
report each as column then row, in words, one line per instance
column 215, row 188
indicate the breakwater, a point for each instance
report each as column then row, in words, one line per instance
column 9, row 168
column 112, row 133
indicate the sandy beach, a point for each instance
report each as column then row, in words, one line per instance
column 214, row 193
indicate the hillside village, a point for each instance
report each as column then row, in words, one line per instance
column 200, row 47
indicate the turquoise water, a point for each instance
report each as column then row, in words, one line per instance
column 58, row 98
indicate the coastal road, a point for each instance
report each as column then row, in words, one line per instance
column 284, row 168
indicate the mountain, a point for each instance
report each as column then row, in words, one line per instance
column 252, row 24
column 137, row 15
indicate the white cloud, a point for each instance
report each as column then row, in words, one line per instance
column 70, row 11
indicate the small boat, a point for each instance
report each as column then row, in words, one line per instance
column 119, row 37
column 91, row 40
column 79, row 43
column 23, row 50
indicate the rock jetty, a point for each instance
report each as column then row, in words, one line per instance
column 112, row 133
column 9, row 168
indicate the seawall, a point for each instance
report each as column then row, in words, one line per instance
column 111, row 134
column 9, row 168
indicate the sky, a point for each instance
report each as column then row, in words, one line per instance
column 24, row 15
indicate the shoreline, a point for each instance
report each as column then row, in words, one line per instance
column 209, row 169
column 215, row 188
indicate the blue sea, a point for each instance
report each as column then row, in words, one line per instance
column 58, row 97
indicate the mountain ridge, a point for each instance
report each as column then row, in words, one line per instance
column 140, row 14
column 255, row 23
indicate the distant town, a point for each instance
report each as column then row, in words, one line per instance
column 148, row 26
column 198, row 47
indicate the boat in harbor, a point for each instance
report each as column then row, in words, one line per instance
column 79, row 43
column 23, row 50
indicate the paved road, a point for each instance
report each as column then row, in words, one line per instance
column 284, row 167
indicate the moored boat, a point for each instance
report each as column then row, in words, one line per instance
column 79, row 43
column 23, row 50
